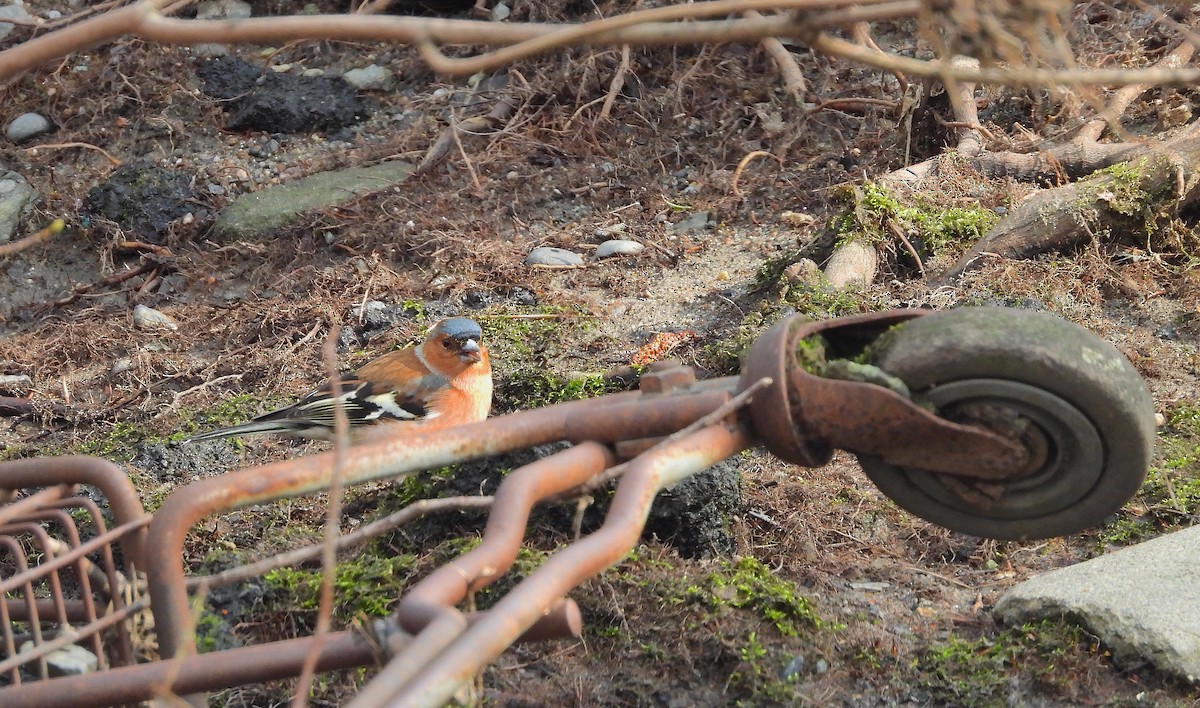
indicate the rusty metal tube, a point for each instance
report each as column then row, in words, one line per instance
column 427, row 610
column 33, row 502
column 408, row 451
column 522, row 606
column 206, row 672
column 502, row 537
column 121, row 532
column 78, row 469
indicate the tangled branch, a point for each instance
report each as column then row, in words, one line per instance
column 803, row 21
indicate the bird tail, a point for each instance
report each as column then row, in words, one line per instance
column 254, row 427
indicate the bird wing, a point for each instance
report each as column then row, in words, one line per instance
column 364, row 402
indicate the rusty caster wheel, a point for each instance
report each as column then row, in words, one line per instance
column 1075, row 402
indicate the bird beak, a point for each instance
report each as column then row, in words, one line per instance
column 470, row 350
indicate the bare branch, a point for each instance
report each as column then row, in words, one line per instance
column 1009, row 75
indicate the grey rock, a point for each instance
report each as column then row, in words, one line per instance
column 28, row 126
column 619, row 247
column 696, row 221
column 272, row 208
column 371, row 78
column 793, row 669
column 223, row 9
column 71, row 660
column 16, row 195
column 500, row 12
column 550, row 256
column 211, row 49
column 523, row 296
column 15, row 11
column 871, row 586
column 1140, row 601
column 15, row 382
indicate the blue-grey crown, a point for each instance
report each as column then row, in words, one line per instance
column 461, row 328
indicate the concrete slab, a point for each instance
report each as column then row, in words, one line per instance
column 1142, row 601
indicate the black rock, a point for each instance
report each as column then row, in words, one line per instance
column 143, row 198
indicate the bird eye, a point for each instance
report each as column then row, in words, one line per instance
column 447, row 343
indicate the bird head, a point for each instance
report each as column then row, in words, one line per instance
column 460, row 338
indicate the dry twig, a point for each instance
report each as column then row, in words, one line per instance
column 60, row 146
column 737, row 173
column 42, row 236
column 333, row 520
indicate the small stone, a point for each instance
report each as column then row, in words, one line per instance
column 550, row 256
column 500, row 12
column 27, row 126
column 15, row 382
column 696, row 221
column 216, row 189
column 312, row 72
column 613, row 230
column 797, row 219
column 793, row 669
column 619, row 247
column 15, row 11
column 371, row 78
column 476, row 299
column 821, row 666
column 53, row 14
column 803, row 272
column 71, row 660
column 512, row 175
column 16, row 194
column 223, row 9
column 1160, row 420
column 122, row 365
column 523, row 296
column 211, row 49
column 871, row 586
column 149, row 318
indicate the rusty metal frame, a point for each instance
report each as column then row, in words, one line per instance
column 673, row 427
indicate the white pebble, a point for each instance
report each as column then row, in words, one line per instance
column 149, row 318
column 550, row 256
column 619, row 247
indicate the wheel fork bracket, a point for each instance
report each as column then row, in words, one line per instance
column 803, row 418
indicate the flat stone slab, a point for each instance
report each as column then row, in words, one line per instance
column 268, row 209
column 1142, row 601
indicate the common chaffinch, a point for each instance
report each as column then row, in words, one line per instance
column 443, row 381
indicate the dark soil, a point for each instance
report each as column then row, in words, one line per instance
column 778, row 584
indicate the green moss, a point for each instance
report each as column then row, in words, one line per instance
column 1185, row 417
column 535, row 388
column 871, row 207
column 1169, row 499
column 1125, row 189
column 367, row 585
column 748, row 584
column 977, row 672
column 118, row 442
column 519, row 334
column 1123, row 192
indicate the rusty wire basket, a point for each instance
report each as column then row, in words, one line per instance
column 994, row 422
